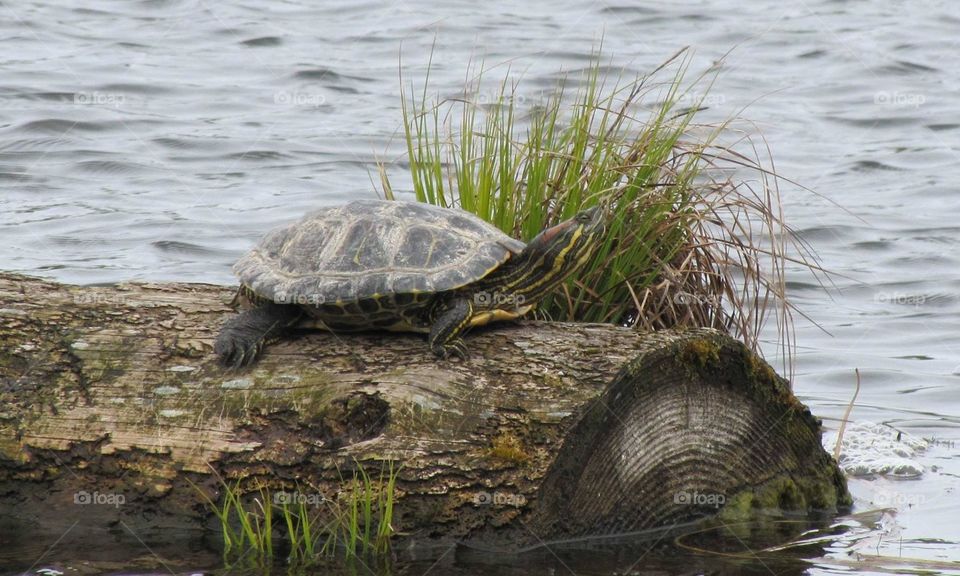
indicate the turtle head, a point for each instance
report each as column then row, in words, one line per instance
column 568, row 245
column 555, row 254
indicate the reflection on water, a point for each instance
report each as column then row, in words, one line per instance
column 782, row 544
column 159, row 139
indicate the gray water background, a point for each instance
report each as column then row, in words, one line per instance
column 158, row 139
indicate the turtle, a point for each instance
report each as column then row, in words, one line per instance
column 399, row 266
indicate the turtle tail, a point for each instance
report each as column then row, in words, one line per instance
column 242, row 337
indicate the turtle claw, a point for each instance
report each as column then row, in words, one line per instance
column 456, row 348
column 242, row 337
column 237, row 347
column 235, row 353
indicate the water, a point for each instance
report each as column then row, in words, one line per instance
column 157, row 139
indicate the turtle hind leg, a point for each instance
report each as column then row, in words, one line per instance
column 449, row 326
column 242, row 337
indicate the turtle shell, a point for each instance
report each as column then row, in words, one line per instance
column 373, row 248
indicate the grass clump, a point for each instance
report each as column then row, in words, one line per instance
column 689, row 245
column 306, row 529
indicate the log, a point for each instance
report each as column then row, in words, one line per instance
column 548, row 431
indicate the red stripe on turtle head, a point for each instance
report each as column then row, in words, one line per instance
column 549, row 234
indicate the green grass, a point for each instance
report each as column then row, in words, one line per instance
column 357, row 525
column 696, row 236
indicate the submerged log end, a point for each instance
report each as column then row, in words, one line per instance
column 683, row 431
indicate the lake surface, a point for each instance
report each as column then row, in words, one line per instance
column 158, row 139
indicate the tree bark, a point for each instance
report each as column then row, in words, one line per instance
column 550, row 430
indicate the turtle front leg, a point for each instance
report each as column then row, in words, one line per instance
column 449, row 326
column 243, row 336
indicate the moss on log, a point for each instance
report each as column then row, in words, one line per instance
column 550, row 430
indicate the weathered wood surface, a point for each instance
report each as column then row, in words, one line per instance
column 550, row 430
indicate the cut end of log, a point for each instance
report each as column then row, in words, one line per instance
column 692, row 428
